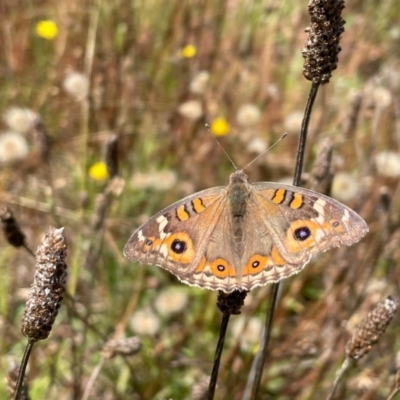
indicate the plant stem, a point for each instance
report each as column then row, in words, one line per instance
column 259, row 361
column 339, row 375
column 22, row 369
column 217, row 358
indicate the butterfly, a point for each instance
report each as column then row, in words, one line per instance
column 243, row 235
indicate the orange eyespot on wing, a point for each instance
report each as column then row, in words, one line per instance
column 336, row 225
column 177, row 247
column 255, row 265
column 307, row 234
column 221, row 268
column 302, row 234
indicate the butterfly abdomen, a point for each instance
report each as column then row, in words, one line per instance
column 238, row 193
column 238, row 198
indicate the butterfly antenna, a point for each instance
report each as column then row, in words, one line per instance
column 219, row 144
column 265, row 151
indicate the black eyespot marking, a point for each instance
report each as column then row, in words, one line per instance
column 255, row 264
column 302, row 233
column 148, row 242
column 335, row 224
column 221, row 268
column 178, row 246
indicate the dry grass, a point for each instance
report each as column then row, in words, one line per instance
column 131, row 52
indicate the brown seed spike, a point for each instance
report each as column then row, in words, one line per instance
column 323, row 45
column 111, row 156
column 371, row 328
column 231, row 303
column 48, row 286
column 11, row 229
column 123, row 346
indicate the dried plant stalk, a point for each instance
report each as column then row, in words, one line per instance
column 321, row 51
column 199, row 391
column 124, row 346
column 45, row 296
column 371, row 329
column 396, row 388
column 320, row 59
column 103, row 201
column 231, row 303
column 11, row 229
column 321, row 174
column 367, row 334
column 48, row 286
column 101, row 205
column 111, row 156
column 42, row 142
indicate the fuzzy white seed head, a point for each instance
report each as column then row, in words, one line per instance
column 292, row 123
column 199, row 83
column 171, row 301
column 248, row 115
column 76, row 84
column 191, row 109
column 19, row 119
column 13, row 146
column 157, row 180
column 388, row 164
column 344, row 187
column 145, row 322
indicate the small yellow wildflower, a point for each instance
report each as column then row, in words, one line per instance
column 98, row 171
column 188, row 51
column 46, row 29
column 219, row 127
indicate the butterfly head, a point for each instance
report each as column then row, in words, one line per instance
column 238, row 177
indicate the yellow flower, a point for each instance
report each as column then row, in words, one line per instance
column 188, row 51
column 46, row 29
column 98, row 171
column 219, row 127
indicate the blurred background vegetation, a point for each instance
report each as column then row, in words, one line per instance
column 76, row 77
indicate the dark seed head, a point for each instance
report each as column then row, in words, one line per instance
column 371, row 328
column 11, row 228
column 48, row 286
column 321, row 51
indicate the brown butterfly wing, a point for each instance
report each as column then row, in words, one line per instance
column 282, row 228
column 177, row 237
column 292, row 224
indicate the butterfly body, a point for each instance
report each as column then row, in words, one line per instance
column 238, row 194
column 243, row 235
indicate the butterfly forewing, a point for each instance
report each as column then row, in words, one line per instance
column 176, row 237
